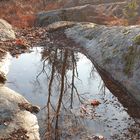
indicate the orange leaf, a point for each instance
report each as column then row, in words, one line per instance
column 95, row 102
column 19, row 42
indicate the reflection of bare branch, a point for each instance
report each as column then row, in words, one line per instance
column 64, row 106
column 60, row 61
column 51, row 80
column 72, row 82
column 62, row 82
column 103, row 88
column 75, row 64
column 49, row 95
column 92, row 71
column 61, row 93
column 13, row 83
column 79, row 97
column 43, row 68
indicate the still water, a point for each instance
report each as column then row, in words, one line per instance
column 63, row 83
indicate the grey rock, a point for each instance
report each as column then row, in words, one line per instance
column 84, row 13
column 70, row 3
column 6, row 31
column 59, row 25
column 13, row 119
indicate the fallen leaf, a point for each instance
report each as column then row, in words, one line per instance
column 83, row 109
column 19, row 42
column 95, row 102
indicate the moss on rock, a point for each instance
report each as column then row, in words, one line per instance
column 137, row 40
column 130, row 58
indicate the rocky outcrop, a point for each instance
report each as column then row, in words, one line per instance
column 115, row 50
column 71, row 3
column 87, row 13
column 6, row 31
column 16, row 122
column 60, row 25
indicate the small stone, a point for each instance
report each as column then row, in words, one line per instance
column 101, row 137
column 5, row 123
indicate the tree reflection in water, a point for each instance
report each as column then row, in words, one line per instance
column 61, row 94
column 62, row 61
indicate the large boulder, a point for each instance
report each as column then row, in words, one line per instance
column 116, row 50
column 6, row 31
column 87, row 13
column 16, row 122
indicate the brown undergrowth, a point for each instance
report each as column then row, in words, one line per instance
column 22, row 13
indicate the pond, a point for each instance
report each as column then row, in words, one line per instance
column 64, row 83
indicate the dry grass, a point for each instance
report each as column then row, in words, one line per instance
column 21, row 13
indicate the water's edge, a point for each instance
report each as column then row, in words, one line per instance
column 25, row 123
